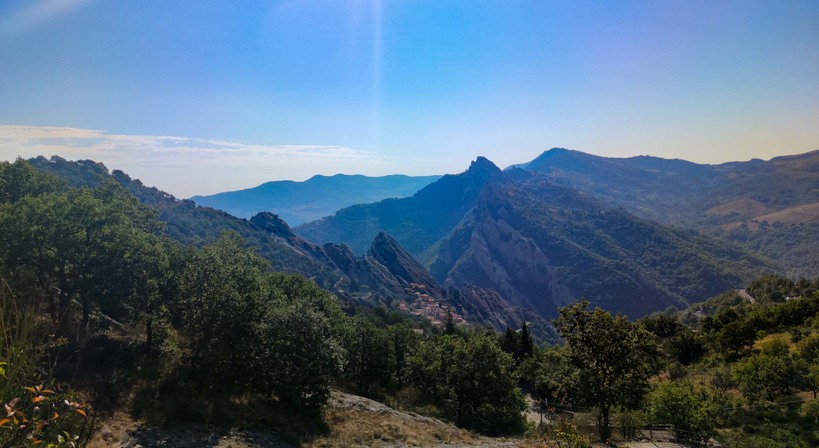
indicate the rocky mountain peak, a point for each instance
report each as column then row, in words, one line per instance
column 483, row 167
column 386, row 250
column 271, row 223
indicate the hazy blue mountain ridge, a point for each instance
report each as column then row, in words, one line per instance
column 319, row 196
column 417, row 221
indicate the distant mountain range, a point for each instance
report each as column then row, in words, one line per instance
column 770, row 207
column 498, row 247
column 319, row 196
column 385, row 274
column 678, row 191
column 541, row 246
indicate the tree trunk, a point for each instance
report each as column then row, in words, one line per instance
column 62, row 313
column 149, row 334
column 86, row 314
column 52, row 307
column 605, row 425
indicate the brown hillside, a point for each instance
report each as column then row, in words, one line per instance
column 794, row 215
column 744, row 207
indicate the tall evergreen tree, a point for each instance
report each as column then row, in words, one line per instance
column 527, row 345
column 449, row 324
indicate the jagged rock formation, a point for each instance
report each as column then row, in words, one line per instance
column 539, row 246
column 416, row 222
column 386, row 251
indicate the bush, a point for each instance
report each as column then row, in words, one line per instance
column 678, row 404
column 470, row 380
column 771, row 373
column 297, row 357
column 34, row 411
column 810, row 410
column 568, row 437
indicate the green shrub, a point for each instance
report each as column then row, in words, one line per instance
column 33, row 410
column 678, row 404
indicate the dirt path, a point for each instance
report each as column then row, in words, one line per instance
column 744, row 294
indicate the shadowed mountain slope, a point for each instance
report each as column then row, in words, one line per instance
column 539, row 245
column 386, row 276
column 417, row 222
column 768, row 207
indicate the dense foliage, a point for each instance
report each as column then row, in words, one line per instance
column 214, row 323
column 209, row 331
column 470, row 379
column 614, row 359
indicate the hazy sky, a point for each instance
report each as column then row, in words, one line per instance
column 202, row 96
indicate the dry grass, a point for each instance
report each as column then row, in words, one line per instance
column 358, row 421
column 351, row 421
column 793, row 215
column 800, row 214
column 350, row 427
column 745, row 207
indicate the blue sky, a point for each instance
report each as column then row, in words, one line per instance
column 201, row 96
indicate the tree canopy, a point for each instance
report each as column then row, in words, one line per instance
column 614, row 358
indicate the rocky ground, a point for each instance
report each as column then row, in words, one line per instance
column 353, row 421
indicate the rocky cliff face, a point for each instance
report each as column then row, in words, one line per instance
column 388, row 275
column 487, row 306
column 515, row 266
column 416, row 222
column 487, row 253
column 540, row 247
column 388, row 272
column 386, row 251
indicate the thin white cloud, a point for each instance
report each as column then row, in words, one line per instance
column 187, row 166
column 36, row 13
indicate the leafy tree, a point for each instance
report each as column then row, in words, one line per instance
column 297, row 356
column 809, row 352
column 680, row 405
column 253, row 330
column 510, row 341
column 405, row 342
column 527, row 344
column 810, row 410
column 661, row 325
column 76, row 242
column 157, row 278
column 770, row 373
column 449, row 323
column 471, row 380
column 221, row 296
column 686, row 346
column 20, row 179
column 614, row 357
column 809, row 348
column 552, row 375
column 812, row 379
column 771, row 287
column 518, row 343
column 368, row 356
column 736, row 336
